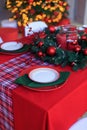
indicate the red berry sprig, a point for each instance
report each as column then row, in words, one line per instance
column 40, row 53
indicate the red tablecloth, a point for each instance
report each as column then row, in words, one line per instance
column 51, row 110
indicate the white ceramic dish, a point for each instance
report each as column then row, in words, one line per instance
column 44, row 75
column 11, row 46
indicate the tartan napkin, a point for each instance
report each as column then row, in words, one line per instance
column 25, row 81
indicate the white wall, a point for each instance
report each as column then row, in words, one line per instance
column 72, row 4
column 85, row 15
column 4, row 13
column 72, row 8
column 2, row 3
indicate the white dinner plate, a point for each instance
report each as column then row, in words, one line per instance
column 11, row 46
column 44, row 75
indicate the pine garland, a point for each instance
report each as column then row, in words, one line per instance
column 46, row 47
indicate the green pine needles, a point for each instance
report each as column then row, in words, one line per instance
column 46, row 47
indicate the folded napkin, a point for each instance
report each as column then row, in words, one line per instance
column 25, row 81
column 23, row 49
column 8, row 33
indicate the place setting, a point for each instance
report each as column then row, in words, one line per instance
column 42, row 78
column 13, row 47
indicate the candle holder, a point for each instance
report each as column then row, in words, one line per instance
column 68, row 35
column 71, row 39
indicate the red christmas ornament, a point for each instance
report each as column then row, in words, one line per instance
column 52, row 29
column 60, row 3
column 85, row 51
column 40, row 44
column 51, row 50
column 83, row 37
column 77, row 48
column 40, row 53
column 31, row 1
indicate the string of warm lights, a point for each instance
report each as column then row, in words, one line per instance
column 26, row 11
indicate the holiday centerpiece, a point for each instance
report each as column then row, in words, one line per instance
column 46, row 46
column 49, row 11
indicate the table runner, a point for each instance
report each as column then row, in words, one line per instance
column 9, row 71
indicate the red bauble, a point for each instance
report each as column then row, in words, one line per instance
column 31, row 1
column 85, row 51
column 52, row 29
column 60, row 3
column 40, row 44
column 40, row 53
column 51, row 50
column 83, row 37
column 77, row 48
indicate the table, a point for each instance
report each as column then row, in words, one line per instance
column 23, row 109
column 51, row 110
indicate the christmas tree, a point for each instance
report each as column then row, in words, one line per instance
column 26, row 11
